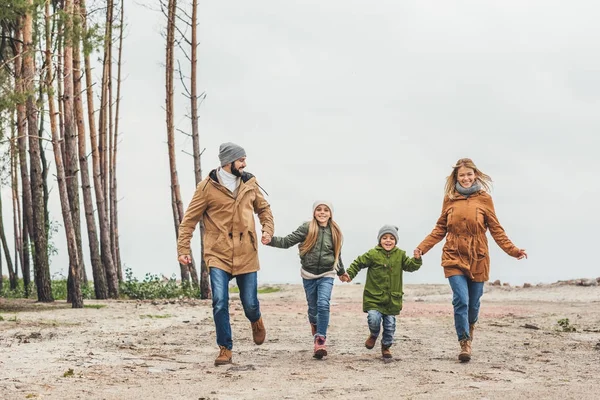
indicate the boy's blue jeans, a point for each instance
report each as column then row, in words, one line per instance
column 219, row 283
column 466, row 299
column 318, row 296
column 375, row 318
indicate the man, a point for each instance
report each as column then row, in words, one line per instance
column 227, row 200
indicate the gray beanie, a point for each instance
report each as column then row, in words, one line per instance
column 391, row 229
column 325, row 203
column 229, row 152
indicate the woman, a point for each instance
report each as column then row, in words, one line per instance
column 467, row 213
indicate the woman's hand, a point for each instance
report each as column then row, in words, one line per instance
column 345, row 277
column 417, row 253
column 522, row 254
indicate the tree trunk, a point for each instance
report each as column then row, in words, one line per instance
column 23, row 168
column 42, row 268
column 100, row 287
column 9, row 265
column 204, row 283
column 15, row 201
column 175, row 192
column 114, row 215
column 105, row 249
column 105, row 104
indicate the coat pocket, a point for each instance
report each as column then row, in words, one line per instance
column 252, row 236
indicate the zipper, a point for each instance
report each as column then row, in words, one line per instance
column 321, row 249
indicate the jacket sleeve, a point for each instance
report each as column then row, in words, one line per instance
column 263, row 210
column 341, row 270
column 192, row 216
column 411, row 264
column 361, row 262
column 439, row 231
column 285, row 242
column 497, row 231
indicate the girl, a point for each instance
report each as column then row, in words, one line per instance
column 467, row 213
column 382, row 296
column 320, row 247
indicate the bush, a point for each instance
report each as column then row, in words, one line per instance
column 153, row 287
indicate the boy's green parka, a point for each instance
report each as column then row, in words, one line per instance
column 383, row 288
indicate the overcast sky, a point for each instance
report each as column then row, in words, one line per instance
column 368, row 105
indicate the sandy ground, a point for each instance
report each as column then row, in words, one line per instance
column 166, row 349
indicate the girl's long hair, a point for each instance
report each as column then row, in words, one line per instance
column 311, row 239
column 483, row 179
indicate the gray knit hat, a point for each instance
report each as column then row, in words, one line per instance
column 325, row 203
column 229, row 152
column 391, row 229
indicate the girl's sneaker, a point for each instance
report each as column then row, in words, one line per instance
column 320, row 349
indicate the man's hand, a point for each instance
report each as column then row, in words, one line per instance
column 185, row 259
column 345, row 277
column 266, row 238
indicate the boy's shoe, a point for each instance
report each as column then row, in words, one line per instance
column 465, row 350
column 313, row 329
column 385, row 351
column 258, row 331
column 320, row 349
column 224, row 356
column 370, row 342
column 471, row 329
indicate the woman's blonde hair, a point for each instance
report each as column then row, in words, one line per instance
column 483, row 179
column 313, row 232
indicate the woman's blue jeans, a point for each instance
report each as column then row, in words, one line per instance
column 466, row 299
column 219, row 283
column 318, row 296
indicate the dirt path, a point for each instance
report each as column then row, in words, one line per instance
column 165, row 350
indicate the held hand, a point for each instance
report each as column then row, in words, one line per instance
column 345, row 277
column 522, row 254
column 266, row 238
column 185, row 259
column 417, row 253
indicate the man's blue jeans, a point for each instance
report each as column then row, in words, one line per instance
column 466, row 299
column 219, row 283
column 374, row 318
column 318, row 295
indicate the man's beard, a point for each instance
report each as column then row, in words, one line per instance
column 235, row 171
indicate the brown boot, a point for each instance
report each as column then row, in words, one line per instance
column 313, row 329
column 370, row 342
column 258, row 331
column 320, row 348
column 385, row 351
column 224, row 356
column 465, row 350
column 471, row 329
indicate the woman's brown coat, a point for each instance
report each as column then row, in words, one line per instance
column 464, row 222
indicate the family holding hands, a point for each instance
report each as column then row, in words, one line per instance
column 227, row 199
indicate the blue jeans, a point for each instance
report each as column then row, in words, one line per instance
column 374, row 318
column 466, row 299
column 318, row 294
column 219, row 283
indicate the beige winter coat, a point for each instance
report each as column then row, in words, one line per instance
column 230, row 241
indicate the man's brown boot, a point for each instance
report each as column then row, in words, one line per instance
column 258, row 331
column 385, row 351
column 471, row 329
column 465, row 350
column 224, row 356
column 370, row 342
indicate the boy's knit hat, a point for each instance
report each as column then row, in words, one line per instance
column 325, row 203
column 229, row 152
column 391, row 229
